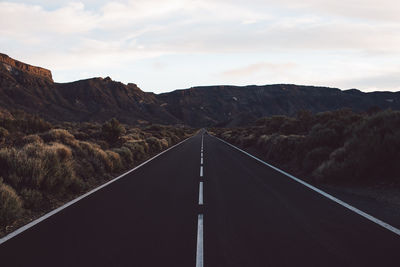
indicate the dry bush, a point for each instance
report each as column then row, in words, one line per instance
column 5, row 114
column 125, row 154
column 164, row 143
column 58, row 135
column 10, row 204
column 263, row 141
column 247, row 140
column 39, row 166
column 3, row 134
column 315, row 157
column 25, row 123
column 33, row 138
column 33, row 199
column 97, row 157
column 174, row 139
column 336, row 168
column 139, row 149
column 113, row 130
column 372, row 152
column 283, row 148
column 58, row 166
column 43, row 164
column 154, row 144
column 116, row 163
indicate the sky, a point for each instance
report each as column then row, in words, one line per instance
column 163, row 45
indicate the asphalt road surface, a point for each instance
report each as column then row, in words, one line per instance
column 204, row 203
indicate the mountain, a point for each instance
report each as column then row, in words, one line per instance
column 234, row 105
column 98, row 99
column 32, row 89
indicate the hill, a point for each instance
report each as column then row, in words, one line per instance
column 234, row 105
column 31, row 89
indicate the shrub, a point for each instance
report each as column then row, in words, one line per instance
column 3, row 134
column 10, row 204
column 154, row 144
column 174, row 139
column 46, row 165
column 164, row 143
column 33, row 199
column 58, row 135
column 282, row 148
column 25, row 123
column 112, row 130
column 33, row 138
column 95, row 156
column 115, row 159
column 58, row 168
column 139, row 149
column 125, row 154
column 38, row 166
column 315, row 157
column 336, row 168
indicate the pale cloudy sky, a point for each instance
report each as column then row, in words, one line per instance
column 164, row 45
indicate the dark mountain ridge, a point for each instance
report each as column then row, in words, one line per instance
column 234, row 105
column 32, row 89
column 94, row 99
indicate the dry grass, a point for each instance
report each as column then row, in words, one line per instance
column 10, row 204
column 43, row 167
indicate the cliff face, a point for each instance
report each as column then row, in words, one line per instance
column 10, row 64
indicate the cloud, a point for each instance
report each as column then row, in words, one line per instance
column 252, row 69
column 112, row 35
column 26, row 20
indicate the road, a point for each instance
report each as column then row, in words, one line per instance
column 249, row 215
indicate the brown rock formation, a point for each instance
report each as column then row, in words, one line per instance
column 37, row 71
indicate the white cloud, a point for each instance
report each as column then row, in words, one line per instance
column 24, row 20
column 110, row 35
column 249, row 70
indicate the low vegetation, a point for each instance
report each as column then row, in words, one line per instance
column 331, row 147
column 44, row 165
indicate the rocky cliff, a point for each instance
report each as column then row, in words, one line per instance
column 13, row 65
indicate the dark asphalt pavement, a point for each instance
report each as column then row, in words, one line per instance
column 253, row 216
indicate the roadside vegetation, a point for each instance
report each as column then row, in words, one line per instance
column 335, row 147
column 43, row 165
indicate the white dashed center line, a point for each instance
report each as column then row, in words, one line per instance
column 201, row 193
column 199, row 252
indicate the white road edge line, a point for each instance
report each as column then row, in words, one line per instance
column 51, row 213
column 201, row 171
column 199, row 251
column 338, row 201
column 201, row 193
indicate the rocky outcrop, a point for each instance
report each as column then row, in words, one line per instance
column 11, row 64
